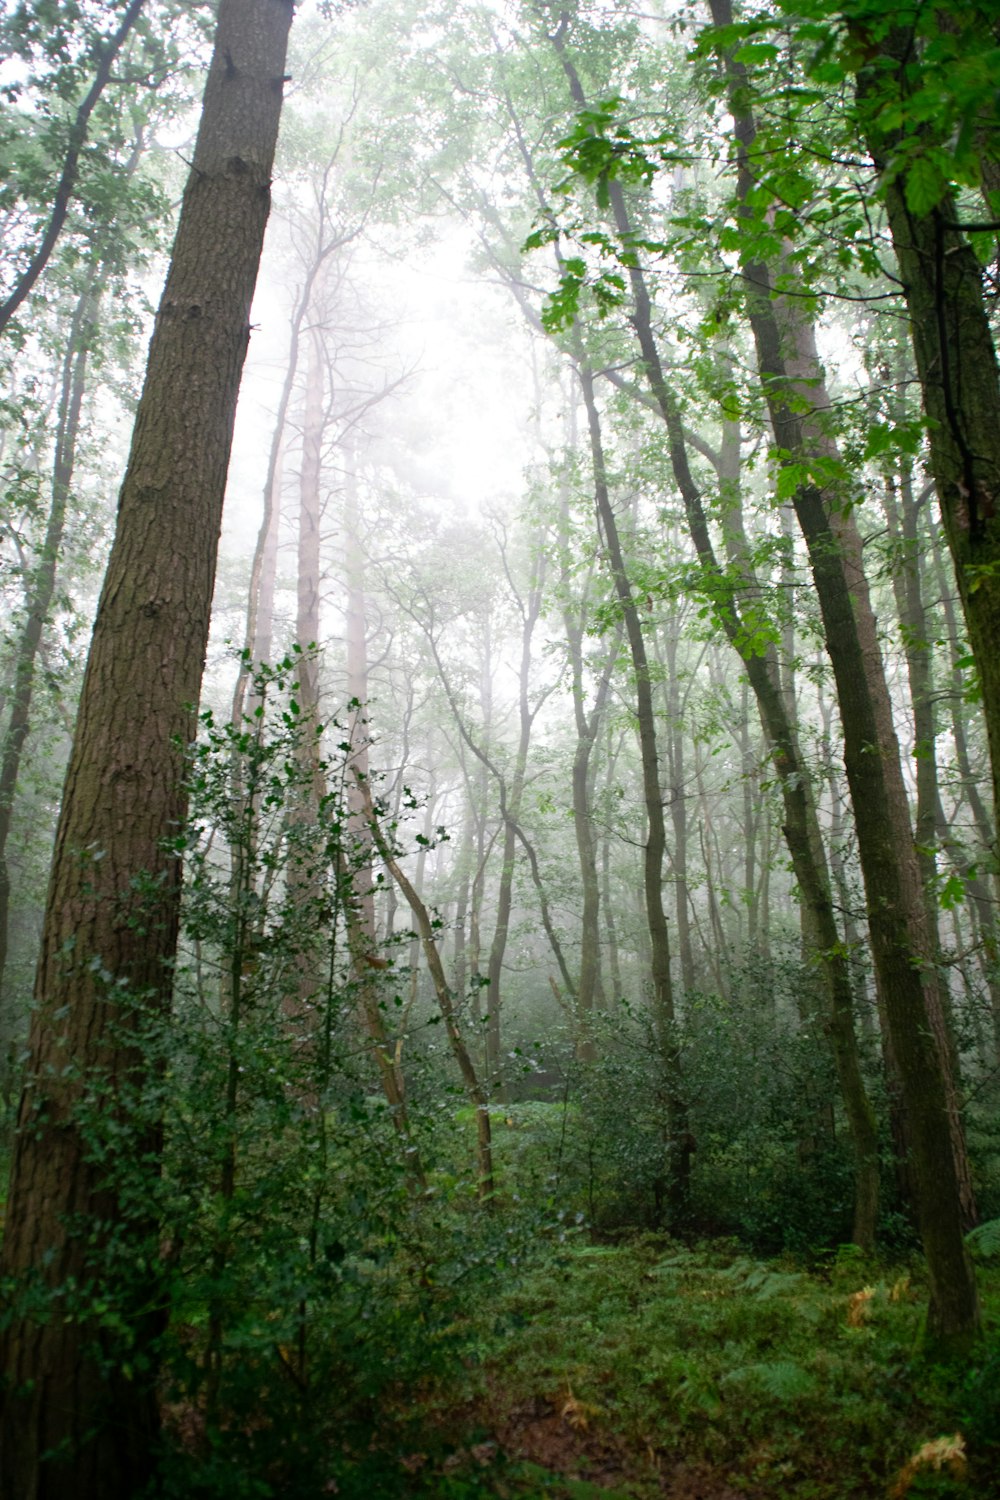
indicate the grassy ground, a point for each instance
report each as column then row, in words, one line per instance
column 650, row 1369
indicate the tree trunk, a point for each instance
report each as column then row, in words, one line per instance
column 589, row 991
column 449, row 1013
column 678, row 1145
column 111, row 919
column 361, row 900
column 801, row 829
column 678, row 795
column 942, row 282
column 66, row 185
column 797, row 400
column 42, row 583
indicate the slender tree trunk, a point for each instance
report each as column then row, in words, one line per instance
column 460, row 954
column 610, row 925
column 901, row 516
column 801, row 829
column 111, row 919
column 66, row 185
column 361, row 907
column 678, row 797
column 260, row 596
column 589, row 992
column 446, row 1002
column 679, row 1140
column 42, row 582
column 802, row 832
column 903, row 954
column 984, row 895
column 942, row 282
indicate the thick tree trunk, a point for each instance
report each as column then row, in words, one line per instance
column 111, row 919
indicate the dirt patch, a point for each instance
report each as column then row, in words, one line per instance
column 563, row 1436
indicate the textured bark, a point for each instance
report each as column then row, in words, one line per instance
column 111, row 917
column 901, row 946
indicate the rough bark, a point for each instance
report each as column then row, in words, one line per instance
column 111, row 917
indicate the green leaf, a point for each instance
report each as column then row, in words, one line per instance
column 757, row 52
column 925, row 185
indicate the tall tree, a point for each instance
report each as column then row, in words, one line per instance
column 919, row 123
column 798, row 405
column 654, row 846
column 78, row 1418
column 734, row 594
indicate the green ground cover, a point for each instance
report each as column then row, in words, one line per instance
column 650, row 1368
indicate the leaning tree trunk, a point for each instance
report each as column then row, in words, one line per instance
column 112, row 914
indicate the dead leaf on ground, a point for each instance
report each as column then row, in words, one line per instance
column 859, row 1307
column 940, row 1453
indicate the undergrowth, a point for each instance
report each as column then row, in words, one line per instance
column 650, row 1365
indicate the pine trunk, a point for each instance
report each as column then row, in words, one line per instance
column 77, row 1423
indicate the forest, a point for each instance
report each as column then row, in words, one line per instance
column 499, row 749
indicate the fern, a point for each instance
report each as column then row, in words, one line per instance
column 984, row 1240
column 781, row 1379
column 764, row 1283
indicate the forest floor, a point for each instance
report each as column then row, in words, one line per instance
column 651, row 1369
